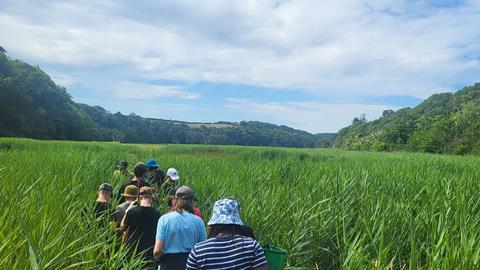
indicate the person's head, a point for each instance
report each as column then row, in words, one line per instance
column 225, row 218
column 105, row 192
column 145, row 196
column 172, row 173
column 122, row 165
column 171, row 196
column 184, row 199
column 130, row 193
column 151, row 164
column 139, row 170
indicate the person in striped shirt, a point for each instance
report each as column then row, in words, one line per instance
column 224, row 248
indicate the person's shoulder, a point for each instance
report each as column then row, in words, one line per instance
column 168, row 216
column 206, row 243
column 155, row 211
column 135, row 211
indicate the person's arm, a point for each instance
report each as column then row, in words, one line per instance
column 203, row 231
column 259, row 261
column 192, row 261
column 158, row 249
column 159, row 239
column 125, row 226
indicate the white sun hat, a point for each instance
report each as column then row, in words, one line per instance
column 173, row 174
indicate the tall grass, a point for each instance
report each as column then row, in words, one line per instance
column 329, row 209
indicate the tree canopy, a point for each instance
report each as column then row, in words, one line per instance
column 33, row 106
column 443, row 123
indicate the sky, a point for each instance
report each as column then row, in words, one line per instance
column 309, row 64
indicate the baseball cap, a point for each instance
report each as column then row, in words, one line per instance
column 145, row 191
column 173, row 174
column 225, row 211
column 185, row 192
column 105, row 187
column 122, row 164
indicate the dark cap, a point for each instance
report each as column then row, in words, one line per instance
column 122, row 164
column 140, row 169
column 185, row 192
column 105, row 187
column 144, row 191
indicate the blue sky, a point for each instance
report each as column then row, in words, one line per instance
column 313, row 65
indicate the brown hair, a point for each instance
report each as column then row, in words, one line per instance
column 184, row 205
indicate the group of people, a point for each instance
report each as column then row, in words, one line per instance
column 178, row 238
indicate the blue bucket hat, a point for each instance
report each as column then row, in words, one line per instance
column 151, row 163
column 225, row 212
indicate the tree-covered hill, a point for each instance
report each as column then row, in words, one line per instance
column 443, row 123
column 32, row 105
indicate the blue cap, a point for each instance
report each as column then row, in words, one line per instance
column 151, row 163
column 226, row 212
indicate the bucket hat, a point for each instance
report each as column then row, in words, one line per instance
column 151, row 163
column 131, row 191
column 173, row 174
column 225, row 212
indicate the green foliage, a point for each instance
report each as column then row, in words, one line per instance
column 443, row 123
column 33, row 106
column 330, row 209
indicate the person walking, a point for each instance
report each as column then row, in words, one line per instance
column 102, row 208
column 140, row 225
column 130, row 195
column 171, row 180
column 154, row 175
column 139, row 171
column 171, row 200
column 225, row 249
column 122, row 173
column 102, row 205
column 178, row 231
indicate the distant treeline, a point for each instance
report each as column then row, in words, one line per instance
column 443, row 123
column 32, row 105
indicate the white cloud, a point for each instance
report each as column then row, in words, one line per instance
column 131, row 90
column 308, row 115
column 342, row 48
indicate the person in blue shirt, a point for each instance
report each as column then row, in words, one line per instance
column 178, row 232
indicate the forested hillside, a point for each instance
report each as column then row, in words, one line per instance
column 32, row 105
column 443, row 123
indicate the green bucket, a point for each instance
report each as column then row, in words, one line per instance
column 276, row 257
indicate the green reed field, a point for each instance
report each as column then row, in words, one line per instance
column 329, row 209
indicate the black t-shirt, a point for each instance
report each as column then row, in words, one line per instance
column 156, row 177
column 101, row 208
column 141, row 225
column 100, row 211
column 138, row 184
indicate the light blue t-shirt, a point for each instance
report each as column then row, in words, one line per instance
column 180, row 232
